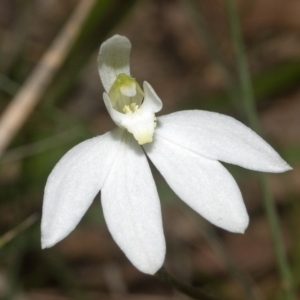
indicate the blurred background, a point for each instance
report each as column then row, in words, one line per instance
column 51, row 99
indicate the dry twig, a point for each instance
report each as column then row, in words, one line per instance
column 31, row 92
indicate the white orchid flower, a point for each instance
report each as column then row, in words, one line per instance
column 185, row 147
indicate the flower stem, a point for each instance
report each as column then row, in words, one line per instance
column 182, row 287
column 249, row 105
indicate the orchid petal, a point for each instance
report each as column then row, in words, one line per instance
column 131, row 208
column 152, row 102
column 114, row 114
column 113, row 59
column 73, row 184
column 140, row 123
column 220, row 137
column 204, row 184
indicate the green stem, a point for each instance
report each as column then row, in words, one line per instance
column 213, row 50
column 250, row 109
column 10, row 235
column 211, row 43
column 244, row 75
column 182, row 287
